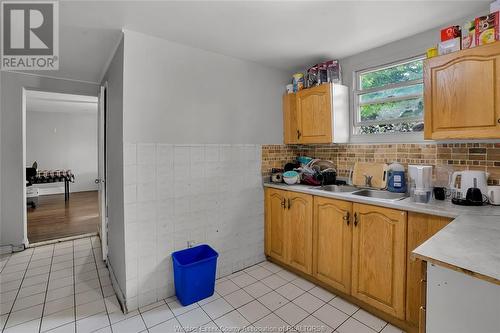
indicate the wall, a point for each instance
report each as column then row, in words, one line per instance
column 180, row 94
column 63, row 140
column 12, row 185
column 192, row 124
column 114, row 175
column 444, row 156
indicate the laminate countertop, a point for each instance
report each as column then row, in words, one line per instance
column 470, row 243
column 434, row 207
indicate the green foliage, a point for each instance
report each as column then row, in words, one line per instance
column 401, row 73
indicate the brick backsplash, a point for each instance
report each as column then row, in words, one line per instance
column 452, row 156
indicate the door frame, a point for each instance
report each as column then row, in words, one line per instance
column 102, row 130
column 24, row 213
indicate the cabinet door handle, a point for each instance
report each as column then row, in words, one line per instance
column 298, row 134
column 346, row 217
column 355, row 219
column 498, row 120
column 289, row 203
column 283, row 203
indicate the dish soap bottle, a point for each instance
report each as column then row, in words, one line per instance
column 396, row 178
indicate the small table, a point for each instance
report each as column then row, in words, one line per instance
column 55, row 176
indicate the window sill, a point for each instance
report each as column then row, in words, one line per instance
column 389, row 138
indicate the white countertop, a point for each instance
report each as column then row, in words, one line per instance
column 434, row 207
column 470, row 243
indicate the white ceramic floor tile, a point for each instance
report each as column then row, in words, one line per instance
column 225, row 287
column 89, row 309
column 354, row 326
column 157, row 315
column 58, row 305
column 243, row 280
column 391, row 329
column 178, row 309
column 330, row 316
column 344, row 306
column 210, row 327
column 25, row 315
column 274, row 281
column 254, row 311
column 271, row 323
column 68, row 328
column 313, row 324
column 322, row 294
column 88, row 296
column 171, row 325
column 238, row 298
column 37, row 279
column 369, row 320
column 290, row 291
column 32, row 290
column 259, row 272
column 231, row 322
column 61, row 282
column 130, row 325
column 303, row 284
column 119, row 316
column 308, row 302
column 148, row 307
column 257, row 289
column 26, row 302
column 32, row 326
column 58, row 319
column 60, row 293
column 271, row 267
column 291, row 313
column 286, row 275
column 273, row 300
column 217, row 308
column 193, row 319
column 92, row 323
column 112, row 304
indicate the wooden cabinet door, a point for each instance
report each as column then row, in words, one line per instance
column 332, row 241
column 298, row 220
column 275, row 224
column 290, row 129
column 314, row 114
column 462, row 94
column 379, row 257
column 421, row 227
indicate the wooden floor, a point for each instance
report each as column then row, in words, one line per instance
column 54, row 218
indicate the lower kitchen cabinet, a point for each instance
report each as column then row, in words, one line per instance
column 332, row 239
column 288, row 236
column 275, row 224
column 421, row 227
column 298, row 221
column 379, row 258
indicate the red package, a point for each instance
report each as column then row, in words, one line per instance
column 487, row 28
column 450, row 32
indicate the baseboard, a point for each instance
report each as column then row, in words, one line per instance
column 11, row 248
column 116, row 287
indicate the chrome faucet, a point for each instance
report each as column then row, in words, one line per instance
column 368, row 180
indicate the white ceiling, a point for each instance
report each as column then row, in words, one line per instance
column 41, row 101
column 281, row 34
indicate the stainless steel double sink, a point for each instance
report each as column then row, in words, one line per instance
column 370, row 193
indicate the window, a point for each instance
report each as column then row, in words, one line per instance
column 389, row 99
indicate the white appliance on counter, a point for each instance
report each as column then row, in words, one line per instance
column 420, row 182
column 469, row 179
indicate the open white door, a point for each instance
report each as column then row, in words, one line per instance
column 101, row 163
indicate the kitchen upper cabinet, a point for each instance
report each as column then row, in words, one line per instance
column 421, row 227
column 332, row 239
column 275, row 224
column 316, row 115
column 290, row 128
column 298, row 219
column 288, row 228
column 379, row 258
column 462, row 94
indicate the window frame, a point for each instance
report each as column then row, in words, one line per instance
column 357, row 92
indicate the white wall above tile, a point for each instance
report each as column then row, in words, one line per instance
column 178, row 193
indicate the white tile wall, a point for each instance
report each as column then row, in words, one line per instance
column 178, row 193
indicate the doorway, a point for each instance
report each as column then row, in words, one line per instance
column 61, row 148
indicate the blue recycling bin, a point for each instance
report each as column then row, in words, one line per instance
column 194, row 273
